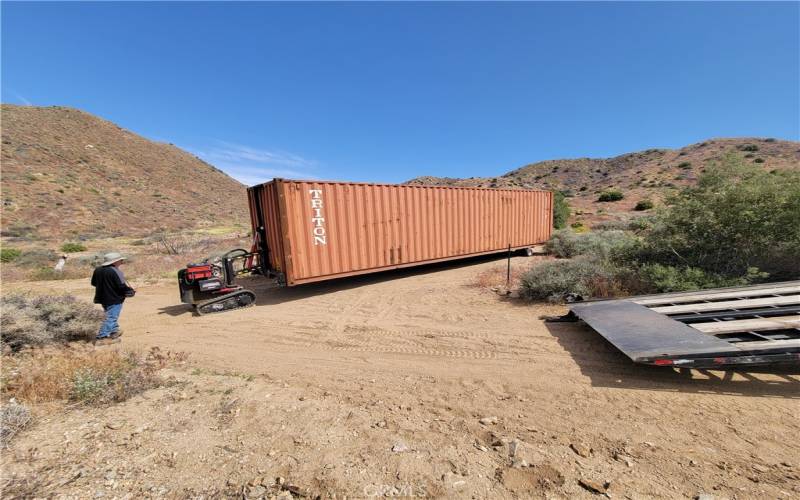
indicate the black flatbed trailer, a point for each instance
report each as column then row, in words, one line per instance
column 722, row 327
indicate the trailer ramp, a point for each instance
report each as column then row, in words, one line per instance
column 722, row 327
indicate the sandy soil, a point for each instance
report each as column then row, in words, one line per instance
column 413, row 383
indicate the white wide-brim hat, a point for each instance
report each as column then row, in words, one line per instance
column 111, row 258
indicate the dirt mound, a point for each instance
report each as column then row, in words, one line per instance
column 648, row 174
column 69, row 174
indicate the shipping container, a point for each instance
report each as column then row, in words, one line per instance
column 318, row 230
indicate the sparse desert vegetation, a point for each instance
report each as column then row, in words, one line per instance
column 157, row 256
column 9, row 254
column 736, row 226
column 653, row 174
column 14, row 417
column 561, row 210
column 47, row 357
column 73, row 247
column 39, row 320
column 79, row 374
column 611, row 195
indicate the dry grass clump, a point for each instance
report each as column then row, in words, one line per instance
column 582, row 276
column 29, row 320
column 13, row 418
column 598, row 244
column 50, row 274
column 80, row 375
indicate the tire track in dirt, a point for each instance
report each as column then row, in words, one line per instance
column 329, row 346
column 347, row 311
column 520, row 345
column 396, row 344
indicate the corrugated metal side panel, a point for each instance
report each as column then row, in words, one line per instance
column 268, row 196
column 337, row 229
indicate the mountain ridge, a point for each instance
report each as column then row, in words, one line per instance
column 68, row 174
column 650, row 174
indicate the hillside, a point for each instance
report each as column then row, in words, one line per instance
column 649, row 174
column 69, row 174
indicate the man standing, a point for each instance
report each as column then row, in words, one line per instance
column 110, row 292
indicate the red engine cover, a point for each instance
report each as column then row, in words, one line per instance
column 198, row 272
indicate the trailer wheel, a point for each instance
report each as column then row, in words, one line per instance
column 529, row 252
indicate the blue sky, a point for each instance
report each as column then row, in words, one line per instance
column 390, row 91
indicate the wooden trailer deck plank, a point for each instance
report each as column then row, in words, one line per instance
column 654, row 301
column 745, row 325
column 728, row 304
column 768, row 344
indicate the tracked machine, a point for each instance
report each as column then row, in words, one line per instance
column 209, row 285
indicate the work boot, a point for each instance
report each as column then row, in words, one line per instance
column 116, row 334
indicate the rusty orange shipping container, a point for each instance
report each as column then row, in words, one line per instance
column 318, row 230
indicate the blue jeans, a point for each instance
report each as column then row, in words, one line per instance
column 110, row 323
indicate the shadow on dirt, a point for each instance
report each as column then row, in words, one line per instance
column 608, row 367
column 177, row 310
column 268, row 293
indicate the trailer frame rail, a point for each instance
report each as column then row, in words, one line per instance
column 723, row 327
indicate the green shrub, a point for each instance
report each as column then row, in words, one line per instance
column 661, row 278
column 748, row 147
column 737, row 217
column 578, row 227
column 644, row 205
column 88, row 385
column 599, row 244
column 769, row 139
column 561, row 210
column 685, row 165
column 611, row 195
column 759, row 160
column 737, row 226
column 9, row 254
column 48, row 274
column 584, row 276
column 105, row 383
column 37, row 257
column 72, row 247
column 563, row 244
column 611, row 225
column 19, row 230
column 554, row 280
column 640, row 224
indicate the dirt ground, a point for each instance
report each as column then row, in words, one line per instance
column 416, row 384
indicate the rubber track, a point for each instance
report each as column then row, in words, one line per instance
column 223, row 298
